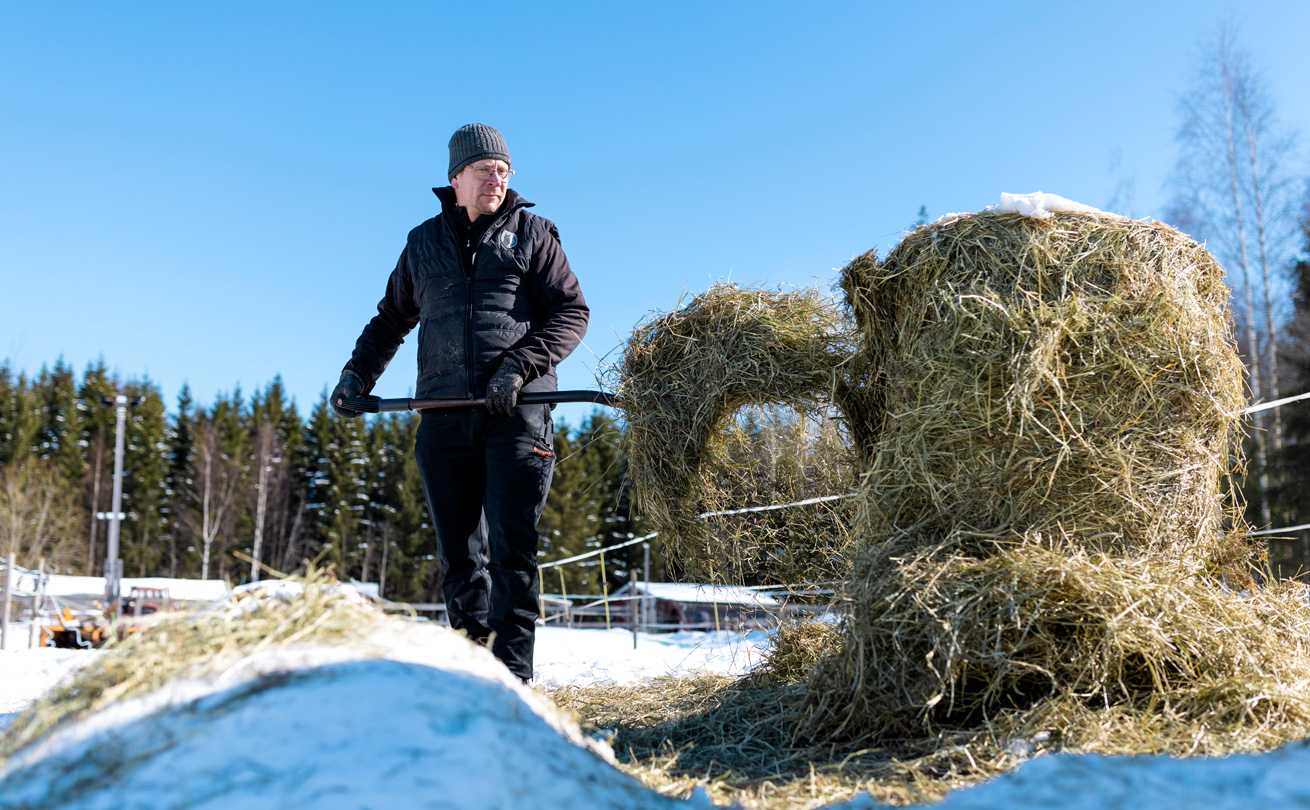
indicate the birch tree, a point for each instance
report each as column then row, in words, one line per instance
column 215, row 479
column 1232, row 190
column 40, row 517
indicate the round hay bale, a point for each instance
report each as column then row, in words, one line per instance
column 1066, row 381
column 684, row 376
column 1042, row 521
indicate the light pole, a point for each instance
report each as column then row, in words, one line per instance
column 113, row 565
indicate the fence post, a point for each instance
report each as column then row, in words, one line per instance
column 568, row 620
column 634, row 603
column 647, row 604
column 605, row 589
column 38, row 599
column 9, row 601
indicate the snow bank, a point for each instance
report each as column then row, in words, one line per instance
column 414, row 717
column 26, row 674
column 419, row 718
column 1092, row 782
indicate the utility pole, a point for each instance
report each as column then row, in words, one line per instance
column 113, row 565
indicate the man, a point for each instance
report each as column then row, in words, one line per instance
column 497, row 308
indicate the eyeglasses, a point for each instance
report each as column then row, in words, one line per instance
column 485, row 173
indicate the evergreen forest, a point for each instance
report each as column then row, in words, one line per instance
column 208, row 488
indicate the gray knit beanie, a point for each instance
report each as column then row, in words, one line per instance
column 473, row 142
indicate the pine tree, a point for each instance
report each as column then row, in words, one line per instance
column 97, row 428
column 610, row 498
column 408, row 567
column 344, row 494
column 564, row 529
column 333, row 461
column 59, row 434
column 590, row 507
column 303, row 536
column 182, row 555
column 142, row 541
column 19, row 416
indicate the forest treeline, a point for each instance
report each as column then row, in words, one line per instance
column 252, row 475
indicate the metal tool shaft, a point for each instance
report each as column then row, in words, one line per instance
column 376, row 405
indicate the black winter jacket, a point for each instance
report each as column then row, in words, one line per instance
column 518, row 299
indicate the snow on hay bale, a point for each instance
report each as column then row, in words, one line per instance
column 300, row 696
column 684, row 376
column 1042, row 523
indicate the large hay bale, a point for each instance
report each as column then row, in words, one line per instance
column 1042, row 522
column 1072, row 378
column 686, row 374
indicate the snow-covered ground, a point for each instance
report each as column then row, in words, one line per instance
column 25, row 674
column 565, row 656
column 414, row 716
column 425, row 720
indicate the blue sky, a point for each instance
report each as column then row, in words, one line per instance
column 216, row 193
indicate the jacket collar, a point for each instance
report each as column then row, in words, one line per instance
column 513, row 202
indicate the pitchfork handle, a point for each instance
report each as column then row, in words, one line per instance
column 375, row 405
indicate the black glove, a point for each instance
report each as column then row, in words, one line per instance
column 503, row 388
column 349, row 388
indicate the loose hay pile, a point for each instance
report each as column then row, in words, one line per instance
column 686, row 374
column 1043, row 558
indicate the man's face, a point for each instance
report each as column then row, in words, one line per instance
column 480, row 187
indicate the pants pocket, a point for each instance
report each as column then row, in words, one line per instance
column 544, row 443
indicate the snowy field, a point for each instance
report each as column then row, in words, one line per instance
column 563, row 656
column 423, row 719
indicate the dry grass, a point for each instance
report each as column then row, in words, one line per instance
column 733, row 738
column 685, row 375
column 958, row 642
column 796, row 649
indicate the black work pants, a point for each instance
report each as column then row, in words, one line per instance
column 486, row 477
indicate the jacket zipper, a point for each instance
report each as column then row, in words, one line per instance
column 468, row 295
column 468, row 320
